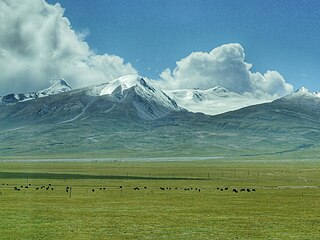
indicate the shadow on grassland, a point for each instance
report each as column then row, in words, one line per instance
column 23, row 175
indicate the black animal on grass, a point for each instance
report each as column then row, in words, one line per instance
column 248, row 190
column 162, row 188
column 92, row 190
column 235, row 190
column 253, row 190
column 226, row 188
column 136, row 188
column 242, row 190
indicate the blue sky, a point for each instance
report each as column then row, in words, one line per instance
column 152, row 35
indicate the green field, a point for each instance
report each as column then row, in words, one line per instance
column 284, row 205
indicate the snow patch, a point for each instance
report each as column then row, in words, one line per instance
column 213, row 101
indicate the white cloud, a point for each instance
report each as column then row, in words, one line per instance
column 37, row 44
column 224, row 66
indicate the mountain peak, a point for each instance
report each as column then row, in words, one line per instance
column 58, row 86
column 122, row 83
column 303, row 92
column 150, row 102
column 60, row 82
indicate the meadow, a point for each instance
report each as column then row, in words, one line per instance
column 280, row 199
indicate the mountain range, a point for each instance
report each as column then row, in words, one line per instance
column 130, row 117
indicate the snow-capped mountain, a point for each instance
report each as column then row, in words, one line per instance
column 303, row 93
column 150, row 102
column 130, row 117
column 57, row 87
column 130, row 96
column 302, row 99
column 213, row 101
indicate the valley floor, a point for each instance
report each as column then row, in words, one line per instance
column 208, row 199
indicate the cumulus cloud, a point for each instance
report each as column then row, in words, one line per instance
column 224, row 66
column 38, row 44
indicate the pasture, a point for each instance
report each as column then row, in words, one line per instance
column 160, row 200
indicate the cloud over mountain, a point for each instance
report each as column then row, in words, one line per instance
column 38, row 44
column 224, row 66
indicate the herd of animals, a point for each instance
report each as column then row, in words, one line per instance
column 69, row 188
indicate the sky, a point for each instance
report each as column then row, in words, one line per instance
column 271, row 45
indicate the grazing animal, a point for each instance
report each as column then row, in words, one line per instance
column 199, row 189
column 136, row 188
column 120, row 187
column 221, row 189
column 235, row 190
column 26, row 187
column 37, row 188
column 92, row 190
column 104, row 188
column 248, row 190
column 218, row 188
column 226, row 188
column 67, row 190
column 162, row 188
column 15, row 188
column 51, row 189
column 253, row 190
column 176, row 188
column 100, row 188
column 242, row 190
column 145, row 187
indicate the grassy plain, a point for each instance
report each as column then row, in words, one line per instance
column 285, row 205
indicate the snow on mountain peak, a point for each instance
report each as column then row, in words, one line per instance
column 303, row 93
column 149, row 101
column 124, row 82
column 58, row 86
column 212, row 101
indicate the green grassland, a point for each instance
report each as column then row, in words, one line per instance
column 284, row 205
